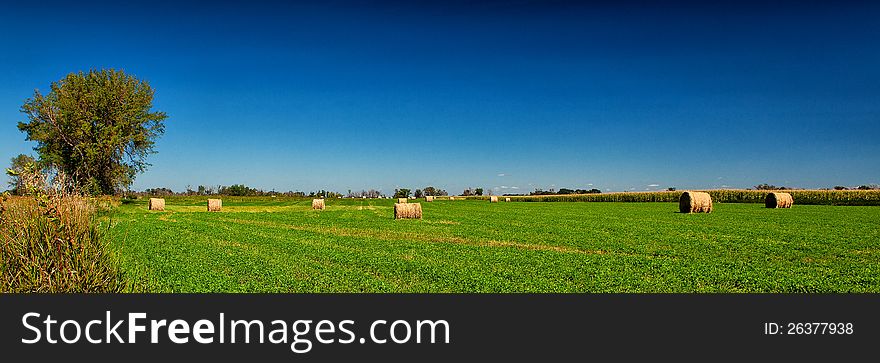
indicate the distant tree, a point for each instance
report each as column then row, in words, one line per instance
column 434, row 191
column 565, row 191
column 202, row 190
column 19, row 165
column 239, row 190
column 868, row 187
column 158, row 191
column 840, row 187
column 401, row 193
column 467, row 192
column 478, row 191
column 670, row 189
column 769, row 187
column 418, row 193
column 96, row 127
column 594, row 191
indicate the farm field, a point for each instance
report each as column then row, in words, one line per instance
column 259, row 244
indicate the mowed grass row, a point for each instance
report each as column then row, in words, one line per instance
column 264, row 245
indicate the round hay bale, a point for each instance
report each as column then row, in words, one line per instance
column 407, row 211
column 157, row 204
column 402, row 200
column 695, row 202
column 493, row 199
column 506, row 199
column 429, row 198
column 318, row 204
column 451, row 198
column 778, row 200
column 214, row 205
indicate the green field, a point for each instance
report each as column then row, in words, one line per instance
column 281, row 245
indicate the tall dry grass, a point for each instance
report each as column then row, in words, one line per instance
column 54, row 245
column 50, row 241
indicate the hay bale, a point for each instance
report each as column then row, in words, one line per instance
column 451, row 198
column 157, row 204
column 429, row 198
column 402, row 200
column 407, row 211
column 318, row 204
column 695, row 202
column 778, row 200
column 506, row 199
column 493, row 199
column 214, row 205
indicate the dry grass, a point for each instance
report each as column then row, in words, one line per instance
column 407, row 211
column 695, row 202
column 53, row 244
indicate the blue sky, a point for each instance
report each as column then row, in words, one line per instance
column 514, row 96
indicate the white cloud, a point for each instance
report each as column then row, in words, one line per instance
column 502, row 174
column 503, row 187
column 514, row 187
column 653, row 185
column 590, row 184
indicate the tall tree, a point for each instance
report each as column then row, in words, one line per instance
column 97, row 127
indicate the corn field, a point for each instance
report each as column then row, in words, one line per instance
column 820, row 197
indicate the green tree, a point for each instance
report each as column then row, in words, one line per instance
column 18, row 166
column 401, row 193
column 97, row 127
column 478, row 191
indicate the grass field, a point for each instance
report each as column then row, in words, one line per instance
column 281, row 245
